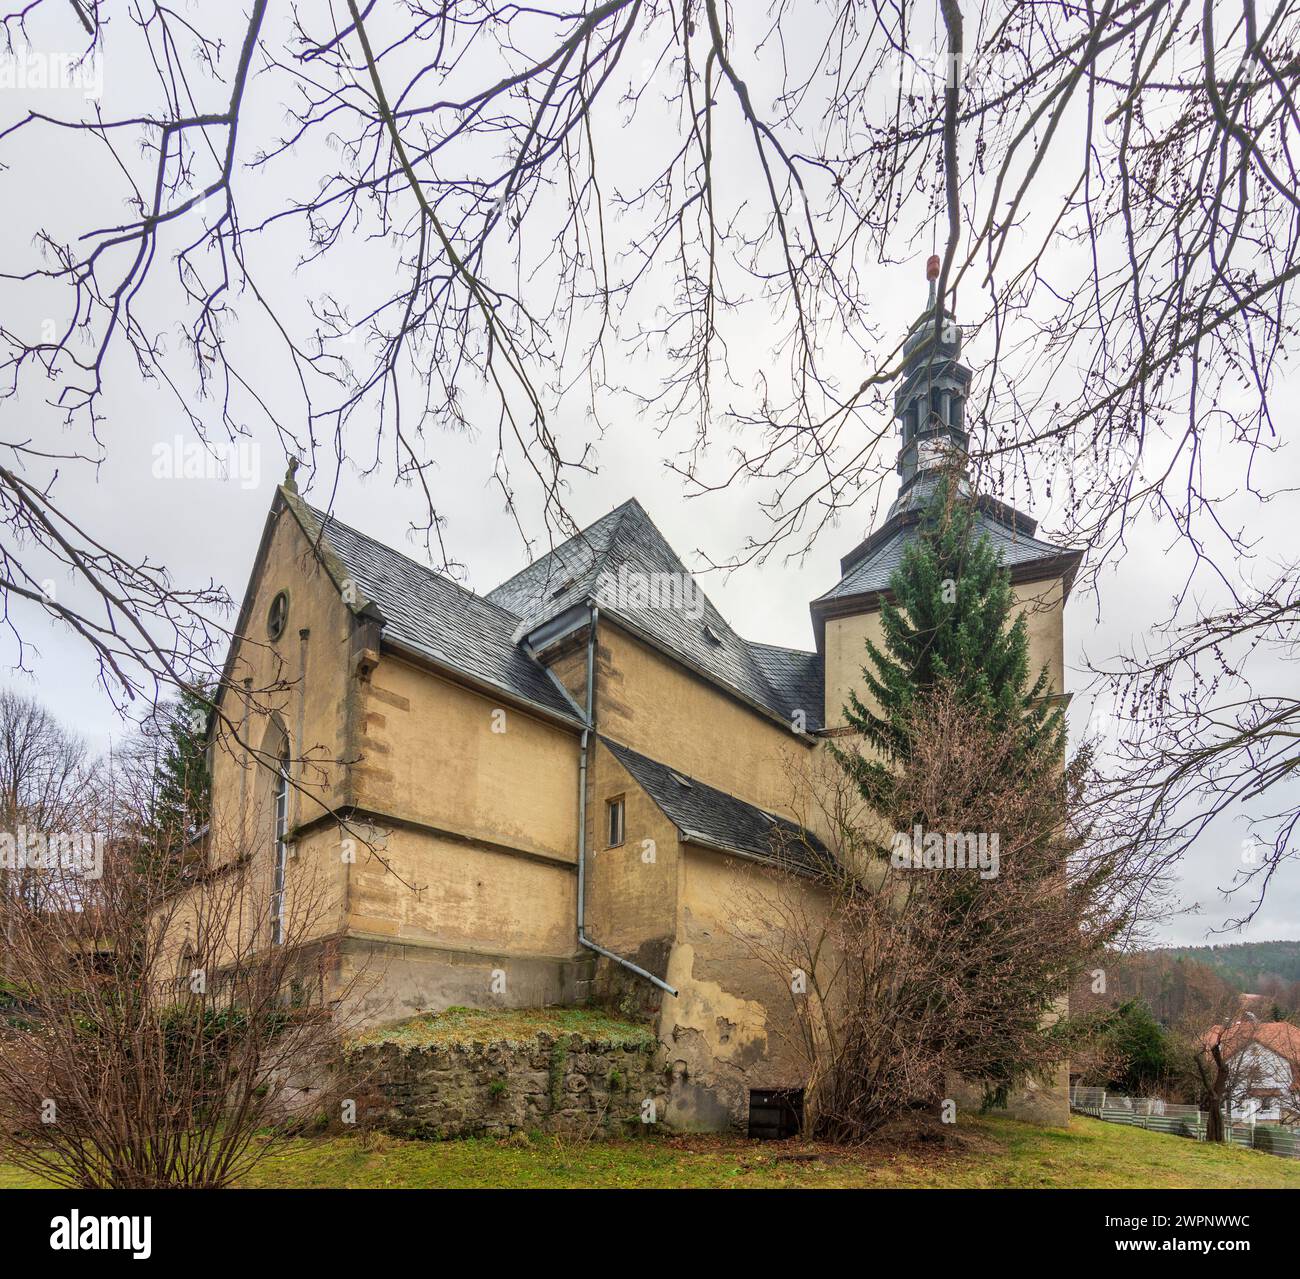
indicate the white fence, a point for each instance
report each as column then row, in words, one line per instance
column 1180, row 1121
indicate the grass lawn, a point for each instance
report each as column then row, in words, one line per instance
column 981, row 1152
column 506, row 1026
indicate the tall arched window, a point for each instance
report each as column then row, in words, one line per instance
column 281, row 849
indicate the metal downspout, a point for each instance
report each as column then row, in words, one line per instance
column 583, row 939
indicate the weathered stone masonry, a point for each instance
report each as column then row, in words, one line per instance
column 566, row 1084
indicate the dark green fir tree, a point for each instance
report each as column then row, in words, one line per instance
column 181, row 795
column 951, row 619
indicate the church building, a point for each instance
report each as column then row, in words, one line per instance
column 571, row 788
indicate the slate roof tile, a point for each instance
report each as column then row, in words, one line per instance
column 873, row 571
column 596, row 563
column 797, row 680
column 441, row 619
column 704, row 811
column 867, row 569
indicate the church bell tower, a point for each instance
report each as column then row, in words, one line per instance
column 930, row 406
column 930, row 402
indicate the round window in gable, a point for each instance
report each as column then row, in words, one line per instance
column 278, row 615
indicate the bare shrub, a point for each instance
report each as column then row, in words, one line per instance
column 916, row 971
column 48, row 782
column 154, row 1033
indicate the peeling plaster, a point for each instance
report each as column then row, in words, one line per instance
column 733, row 1030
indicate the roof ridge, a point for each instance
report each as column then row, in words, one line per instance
column 773, row 694
column 681, row 563
column 782, row 648
column 325, row 518
column 621, row 510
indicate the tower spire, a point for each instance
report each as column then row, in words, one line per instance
column 930, row 400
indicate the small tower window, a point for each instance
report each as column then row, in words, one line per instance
column 614, row 821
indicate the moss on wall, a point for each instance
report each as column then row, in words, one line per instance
column 539, row 1070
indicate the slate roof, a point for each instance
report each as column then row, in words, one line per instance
column 873, row 571
column 718, row 818
column 439, row 618
column 866, row 570
column 626, row 540
column 540, row 591
column 797, row 679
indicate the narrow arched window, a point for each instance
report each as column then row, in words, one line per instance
column 281, row 849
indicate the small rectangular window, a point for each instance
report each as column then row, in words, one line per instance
column 614, row 825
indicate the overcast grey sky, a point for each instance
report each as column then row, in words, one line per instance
column 205, row 528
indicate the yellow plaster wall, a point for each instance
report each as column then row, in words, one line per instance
column 233, row 907
column 631, row 900
column 404, row 744
column 313, row 707
column 465, row 897
column 299, row 689
column 664, row 711
column 430, row 752
column 732, row 1026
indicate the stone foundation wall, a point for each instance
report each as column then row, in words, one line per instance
column 567, row 1085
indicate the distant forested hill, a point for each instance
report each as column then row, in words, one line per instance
column 1201, row 984
column 1247, row 965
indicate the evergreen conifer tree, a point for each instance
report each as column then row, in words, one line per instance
column 950, row 620
column 177, row 792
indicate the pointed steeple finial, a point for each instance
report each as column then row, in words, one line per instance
column 289, row 482
column 930, row 399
